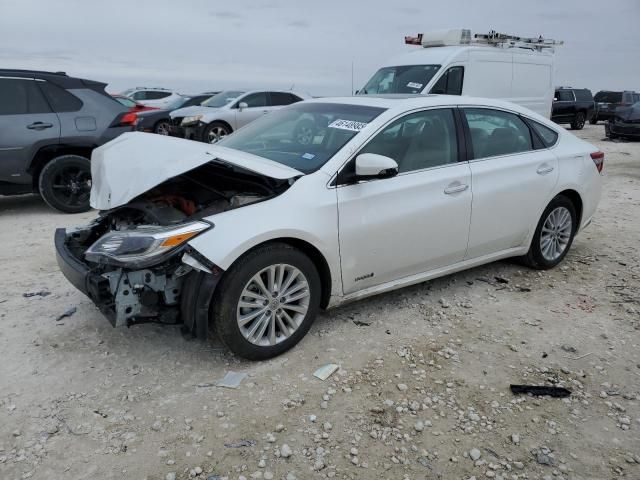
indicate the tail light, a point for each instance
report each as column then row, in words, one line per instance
column 598, row 159
column 128, row 119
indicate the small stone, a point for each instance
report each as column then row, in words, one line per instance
column 262, row 463
column 515, row 438
column 170, row 476
column 474, row 417
column 355, row 460
column 198, row 470
column 402, row 387
column 327, row 426
column 474, row 454
column 285, row 451
column 279, row 428
column 419, row 426
column 291, row 476
column 312, row 418
column 268, row 475
column 354, row 451
column 16, row 433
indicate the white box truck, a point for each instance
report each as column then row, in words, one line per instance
column 492, row 65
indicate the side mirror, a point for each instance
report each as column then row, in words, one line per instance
column 356, row 92
column 372, row 165
column 242, row 105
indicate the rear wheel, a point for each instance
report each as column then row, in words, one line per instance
column 266, row 302
column 65, row 183
column 554, row 234
column 578, row 121
column 593, row 120
column 214, row 132
column 162, row 128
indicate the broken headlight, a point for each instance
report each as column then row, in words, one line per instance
column 191, row 119
column 143, row 244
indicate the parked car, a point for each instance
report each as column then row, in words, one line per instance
column 452, row 63
column 132, row 105
column 49, row 125
column 229, row 110
column 625, row 123
column 159, row 120
column 573, row 105
column 251, row 236
column 607, row 102
column 154, row 97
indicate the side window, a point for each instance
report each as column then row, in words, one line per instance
column 60, row 99
column 565, row 96
column 295, row 98
column 547, row 135
column 420, row 140
column 255, row 100
column 140, row 95
column 20, row 97
column 494, row 132
column 280, row 98
column 156, row 95
column 450, row 83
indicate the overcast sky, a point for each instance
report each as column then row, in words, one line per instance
column 210, row 45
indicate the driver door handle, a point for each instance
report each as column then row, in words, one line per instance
column 544, row 169
column 39, row 126
column 455, row 188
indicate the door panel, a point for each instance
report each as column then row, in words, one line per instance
column 400, row 226
column 258, row 105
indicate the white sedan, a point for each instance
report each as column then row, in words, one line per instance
column 321, row 203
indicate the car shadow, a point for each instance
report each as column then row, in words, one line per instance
column 29, row 204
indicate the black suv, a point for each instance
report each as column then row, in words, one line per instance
column 607, row 102
column 49, row 124
column 573, row 105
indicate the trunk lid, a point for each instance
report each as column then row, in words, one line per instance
column 136, row 162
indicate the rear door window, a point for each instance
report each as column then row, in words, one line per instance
column 583, row 95
column 156, row 95
column 60, row 99
column 255, row 100
column 495, row 133
column 608, row 97
column 20, row 97
column 450, row 83
column 548, row 136
column 282, row 98
column 565, row 96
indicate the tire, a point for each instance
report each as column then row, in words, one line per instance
column 162, row 128
column 237, row 285
column 593, row 120
column 537, row 257
column 65, row 183
column 214, row 132
column 578, row 121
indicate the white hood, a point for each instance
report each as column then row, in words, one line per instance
column 136, row 162
column 192, row 110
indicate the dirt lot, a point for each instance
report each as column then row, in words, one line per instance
column 423, row 390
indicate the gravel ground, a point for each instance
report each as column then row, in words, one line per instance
column 422, row 392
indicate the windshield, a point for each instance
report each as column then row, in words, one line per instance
column 303, row 136
column 128, row 92
column 608, row 97
column 221, row 99
column 403, row 79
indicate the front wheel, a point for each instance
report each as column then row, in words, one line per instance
column 578, row 121
column 65, row 183
column 554, row 234
column 214, row 132
column 162, row 128
column 266, row 302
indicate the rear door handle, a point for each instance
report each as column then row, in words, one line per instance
column 39, row 126
column 544, row 169
column 456, row 188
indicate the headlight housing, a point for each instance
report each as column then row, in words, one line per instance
column 144, row 245
column 191, row 119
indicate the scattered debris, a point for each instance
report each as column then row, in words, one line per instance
column 41, row 293
column 66, row 313
column 231, row 380
column 538, row 390
column 501, row 279
column 240, row 444
column 326, row 371
column 360, row 323
column 578, row 358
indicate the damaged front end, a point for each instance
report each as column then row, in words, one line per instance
column 134, row 261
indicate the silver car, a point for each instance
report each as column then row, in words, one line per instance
column 227, row 111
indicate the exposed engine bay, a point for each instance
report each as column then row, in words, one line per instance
column 137, row 254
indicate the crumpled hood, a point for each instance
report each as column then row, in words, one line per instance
column 189, row 111
column 136, row 162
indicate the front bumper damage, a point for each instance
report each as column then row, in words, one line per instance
column 178, row 289
column 194, row 131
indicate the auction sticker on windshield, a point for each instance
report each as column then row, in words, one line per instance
column 350, row 125
column 414, row 85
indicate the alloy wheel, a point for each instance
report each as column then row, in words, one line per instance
column 273, row 305
column 72, row 186
column 215, row 134
column 556, row 233
column 163, row 128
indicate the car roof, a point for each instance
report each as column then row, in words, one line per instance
column 59, row 78
column 408, row 102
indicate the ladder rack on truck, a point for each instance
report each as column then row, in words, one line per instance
column 462, row 36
